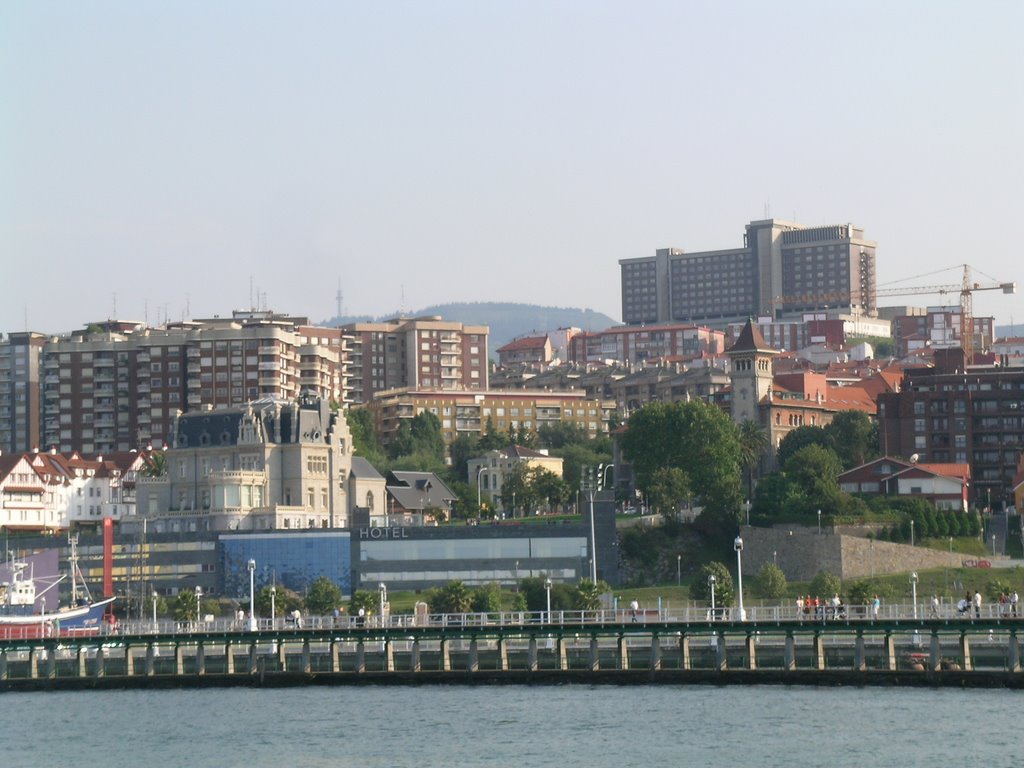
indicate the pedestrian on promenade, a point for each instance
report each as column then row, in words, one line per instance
column 876, row 606
column 935, row 607
column 634, row 606
column 977, row 605
column 800, row 607
column 1013, row 603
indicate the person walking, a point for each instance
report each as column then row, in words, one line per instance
column 977, row 605
column 1013, row 603
column 935, row 608
column 876, row 606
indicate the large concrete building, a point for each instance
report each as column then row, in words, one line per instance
column 421, row 353
column 783, row 268
column 20, row 412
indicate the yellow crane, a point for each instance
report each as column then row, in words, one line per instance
column 967, row 289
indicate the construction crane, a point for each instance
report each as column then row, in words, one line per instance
column 967, row 289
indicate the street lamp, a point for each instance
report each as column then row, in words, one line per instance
column 273, row 605
column 199, row 607
column 547, row 588
column 679, row 570
column 913, row 591
column 738, row 546
column 382, row 593
column 154, row 609
column 911, row 533
column 819, row 522
column 746, row 505
column 993, row 545
column 479, row 474
column 711, row 583
column 252, row 595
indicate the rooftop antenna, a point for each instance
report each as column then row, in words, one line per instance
column 114, row 295
column 338, row 298
column 188, row 306
column 145, row 310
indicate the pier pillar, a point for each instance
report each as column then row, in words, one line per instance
column 595, row 655
column 446, row 655
column 360, row 657
column 473, row 662
column 150, row 660
column 3, row 665
column 83, row 660
column 502, row 654
column 179, row 660
column 98, row 670
column 389, row 655
column 562, row 659
column 415, row 665
column 229, row 659
column 531, row 654
column 335, row 651
column 684, row 651
column 890, row 652
column 282, row 657
column 252, row 658
column 200, row 658
column 859, row 656
column 50, row 669
column 1013, row 655
column 306, row 663
column 750, row 651
column 934, row 653
column 819, row 651
column 622, row 652
column 965, row 652
column 33, row 662
column 789, row 654
column 721, row 658
column 655, row 653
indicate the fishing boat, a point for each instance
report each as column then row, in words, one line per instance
column 23, row 606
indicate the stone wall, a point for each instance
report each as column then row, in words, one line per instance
column 802, row 553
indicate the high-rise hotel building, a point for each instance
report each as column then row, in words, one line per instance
column 782, row 269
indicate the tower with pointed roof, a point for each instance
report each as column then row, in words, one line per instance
column 751, row 375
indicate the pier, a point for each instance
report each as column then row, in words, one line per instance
column 525, row 648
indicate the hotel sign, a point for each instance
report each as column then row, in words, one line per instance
column 379, row 533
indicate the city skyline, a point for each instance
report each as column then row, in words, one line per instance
column 186, row 161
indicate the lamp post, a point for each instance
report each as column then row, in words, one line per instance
column 711, row 583
column 911, row 533
column 819, row 522
column 273, row 605
column 679, row 570
column 252, row 595
column 199, row 605
column 479, row 474
column 154, row 609
column 547, row 588
column 746, row 505
column 913, row 591
column 382, row 594
column 738, row 546
column 993, row 545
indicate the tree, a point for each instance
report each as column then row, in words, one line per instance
column 771, row 581
column 814, row 471
column 155, row 464
column 825, row 585
column 427, row 435
column 700, row 588
column 453, row 597
column 285, row 600
column 588, row 595
column 853, row 435
column 799, row 438
column 323, row 597
column 463, row 448
column 576, row 457
column 754, row 444
column 669, row 488
column 364, row 436
column 486, row 598
column 561, row 434
column 364, row 599
column 548, row 486
column 698, row 438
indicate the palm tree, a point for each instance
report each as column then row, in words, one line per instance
column 753, row 446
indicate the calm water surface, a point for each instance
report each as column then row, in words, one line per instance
column 435, row 726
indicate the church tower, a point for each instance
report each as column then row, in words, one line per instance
column 751, row 375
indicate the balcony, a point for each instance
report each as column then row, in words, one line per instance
column 194, row 384
column 193, row 353
column 193, row 367
column 270, row 366
column 194, row 398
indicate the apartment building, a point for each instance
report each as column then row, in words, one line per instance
column 419, row 353
column 782, row 268
column 939, row 327
column 960, row 414
column 118, row 385
column 20, row 412
column 631, row 344
column 471, row 412
column 491, row 470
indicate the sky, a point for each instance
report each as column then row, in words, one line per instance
column 171, row 160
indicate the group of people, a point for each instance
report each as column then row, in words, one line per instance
column 821, row 608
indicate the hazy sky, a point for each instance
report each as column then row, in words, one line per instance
column 186, row 155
